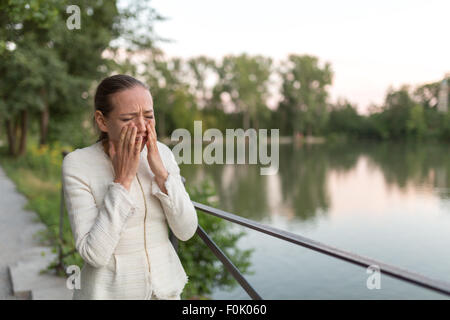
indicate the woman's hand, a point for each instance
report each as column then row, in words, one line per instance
column 154, row 159
column 125, row 156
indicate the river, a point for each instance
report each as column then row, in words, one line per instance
column 386, row 201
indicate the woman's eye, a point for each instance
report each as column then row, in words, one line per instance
column 124, row 120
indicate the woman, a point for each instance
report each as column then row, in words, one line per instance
column 121, row 195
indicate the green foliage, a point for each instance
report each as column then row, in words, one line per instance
column 378, row 126
column 445, row 131
column 408, row 114
column 344, row 118
column 415, row 124
column 76, row 130
column 396, row 107
column 48, row 69
column 15, row 14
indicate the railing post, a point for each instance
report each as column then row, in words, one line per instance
column 228, row 264
column 61, row 223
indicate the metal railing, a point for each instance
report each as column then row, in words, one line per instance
column 395, row 272
column 401, row 274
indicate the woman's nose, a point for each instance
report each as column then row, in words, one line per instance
column 140, row 124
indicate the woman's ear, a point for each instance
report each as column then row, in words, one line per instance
column 100, row 121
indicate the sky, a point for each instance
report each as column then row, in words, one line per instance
column 370, row 45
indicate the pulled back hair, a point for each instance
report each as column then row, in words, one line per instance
column 105, row 90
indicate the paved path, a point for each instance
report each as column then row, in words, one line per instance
column 21, row 253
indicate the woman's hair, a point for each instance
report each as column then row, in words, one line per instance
column 108, row 87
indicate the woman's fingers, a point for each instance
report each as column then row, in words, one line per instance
column 132, row 139
column 137, row 147
column 127, row 138
column 127, row 154
column 153, row 129
column 123, row 133
column 112, row 150
column 149, row 133
column 150, row 136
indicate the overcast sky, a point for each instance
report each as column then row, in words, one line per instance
column 370, row 44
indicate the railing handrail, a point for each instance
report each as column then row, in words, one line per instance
column 402, row 274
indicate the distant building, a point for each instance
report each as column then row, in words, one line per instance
column 443, row 95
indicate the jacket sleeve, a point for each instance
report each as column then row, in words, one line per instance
column 96, row 229
column 177, row 205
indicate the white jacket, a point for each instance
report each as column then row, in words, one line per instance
column 122, row 235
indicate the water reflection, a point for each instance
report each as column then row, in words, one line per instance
column 386, row 201
column 311, row 176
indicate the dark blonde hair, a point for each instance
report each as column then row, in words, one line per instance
column 106, row 89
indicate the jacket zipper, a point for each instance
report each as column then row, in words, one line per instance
column 145, row 218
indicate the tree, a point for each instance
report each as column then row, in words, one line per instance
column 203, row 79
column 415, row 124
column 397, row 107
column 175, row 107
column 200, row 69
column 304, row 93
column 22, row 25
column 82, row 51
column 50, row 70
column 344, row 118
column 245, row 79
column 50, row 66
column 427, row 95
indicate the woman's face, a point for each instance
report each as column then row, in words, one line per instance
column 131, row 106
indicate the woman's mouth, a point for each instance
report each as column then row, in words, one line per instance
column 144, row 139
